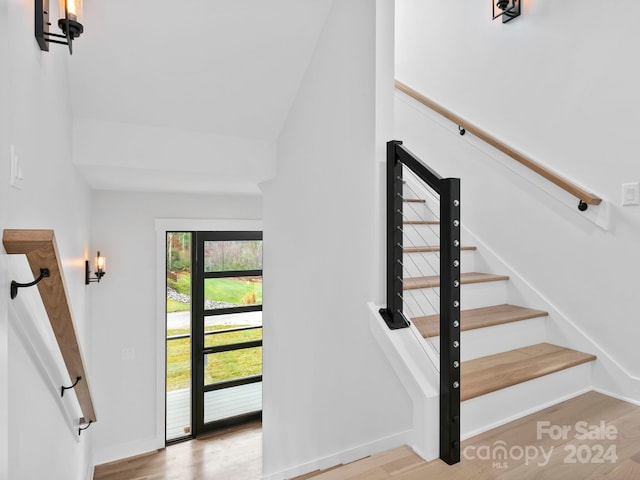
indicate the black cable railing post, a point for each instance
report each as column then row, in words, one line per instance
column 449, row 191
column 393, row 315
column 450, row 320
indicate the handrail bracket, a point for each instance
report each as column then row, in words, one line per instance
column 44, row 273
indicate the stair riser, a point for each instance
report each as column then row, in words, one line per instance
column 497, row 408
column 499, row 338
column 475, row 295
column 428, row 263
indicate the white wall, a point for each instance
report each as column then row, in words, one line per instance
column 384, row 123
column 556, row 84
column 36, row 104
column 4, row 280
column 125, row 156
column 125, row 310
column 329, row 395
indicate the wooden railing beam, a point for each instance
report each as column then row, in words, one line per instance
column 40, row 248
column 573, row 189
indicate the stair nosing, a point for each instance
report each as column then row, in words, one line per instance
column 433, row 281
column 421, row 222
column 428, row 249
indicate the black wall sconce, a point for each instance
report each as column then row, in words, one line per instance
column 99, row 264
column 508, row 9
column 69, row 23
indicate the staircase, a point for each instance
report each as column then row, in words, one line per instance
column 508, row 367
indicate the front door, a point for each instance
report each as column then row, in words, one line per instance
column 227, row 329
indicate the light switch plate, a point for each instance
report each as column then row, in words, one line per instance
column 17, row 179
column 630, row 194
column 128, row 353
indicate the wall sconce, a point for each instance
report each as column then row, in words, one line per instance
column 99, row 264
column 509, row 9
column 69, row 24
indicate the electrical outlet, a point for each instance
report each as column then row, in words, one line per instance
column 17, row 179
column 630, row 194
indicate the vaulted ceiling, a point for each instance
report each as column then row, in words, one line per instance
column 193, row 92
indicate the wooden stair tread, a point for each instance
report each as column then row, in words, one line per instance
column 421, row 222
column 495, row 372
column 465, row 278
column 429, row 325
column 427, row 249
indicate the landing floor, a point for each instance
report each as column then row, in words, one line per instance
column 587, row 438
column 615, row 426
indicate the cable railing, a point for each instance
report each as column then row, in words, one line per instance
column 41, row 251
column 585, row 198
column 410, row 292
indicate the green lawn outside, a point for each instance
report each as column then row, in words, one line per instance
column 220, row 366
column 174, row 306
column 228, row 290
column 182, row 284
column 237, row 292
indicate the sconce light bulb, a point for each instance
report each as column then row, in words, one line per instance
column 72, row 10
column 99, row 263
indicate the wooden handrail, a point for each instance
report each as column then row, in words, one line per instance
column 40, row 248
column 583, row 195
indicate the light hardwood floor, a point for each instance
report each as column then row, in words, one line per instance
column 620, row 418
column 233, row 454
column 236, row 454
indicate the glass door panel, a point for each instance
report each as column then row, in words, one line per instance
column 232, row 255
column 227, row 365
column 178, row 335
column 232, row 402
column 227, row 329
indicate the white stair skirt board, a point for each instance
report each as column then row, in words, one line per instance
column 503, row 406
column 474, row 295
column 422, row 264
column 407, row 357
column 482, row 342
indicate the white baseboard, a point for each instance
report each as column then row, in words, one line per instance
column 619, row 397
column 347, row 456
